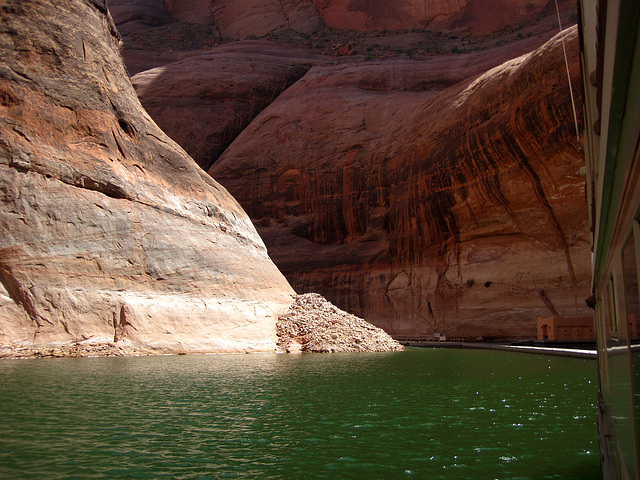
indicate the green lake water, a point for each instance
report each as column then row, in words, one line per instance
column 422, row 413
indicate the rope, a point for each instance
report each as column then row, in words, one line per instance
column 566, row 63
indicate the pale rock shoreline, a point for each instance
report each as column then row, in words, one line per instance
column 312, row 324
column 81, row 349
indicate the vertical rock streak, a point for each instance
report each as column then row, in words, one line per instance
column 463, row 191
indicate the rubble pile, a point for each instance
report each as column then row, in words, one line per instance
column 314, row 324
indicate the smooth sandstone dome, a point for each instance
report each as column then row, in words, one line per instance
column 206, row 99
column 423, row 200
column 109, row 231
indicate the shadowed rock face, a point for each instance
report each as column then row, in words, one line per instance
column 472, row 16
column 244, row 18
column 255, row 18
column 132, row 15
column 109, row 231
column 424, row 202
column 380, row 15
column 205, row 100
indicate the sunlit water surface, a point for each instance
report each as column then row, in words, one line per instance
column 422, row 413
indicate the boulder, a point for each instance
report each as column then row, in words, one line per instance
column 109, row 232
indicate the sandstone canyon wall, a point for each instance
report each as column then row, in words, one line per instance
column 219, row 90
column 240, row 19
column 422, row 201
column 471, row 16
column 230, row 18
column 132, row 15
column 244, row 18
column 109, row 231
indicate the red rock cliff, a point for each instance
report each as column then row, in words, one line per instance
column 109, row 231
column 206, row 99
column 472, row 16
column 420, row 203
column 249, row 18
column 244, row 18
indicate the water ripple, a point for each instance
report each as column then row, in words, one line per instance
column 440, row 414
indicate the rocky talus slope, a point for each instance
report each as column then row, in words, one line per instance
column 425, row 195
column 109, row 232
column 313, row 324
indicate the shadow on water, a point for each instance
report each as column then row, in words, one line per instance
column 422, row 413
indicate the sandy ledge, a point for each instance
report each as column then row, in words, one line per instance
column 110, row 349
